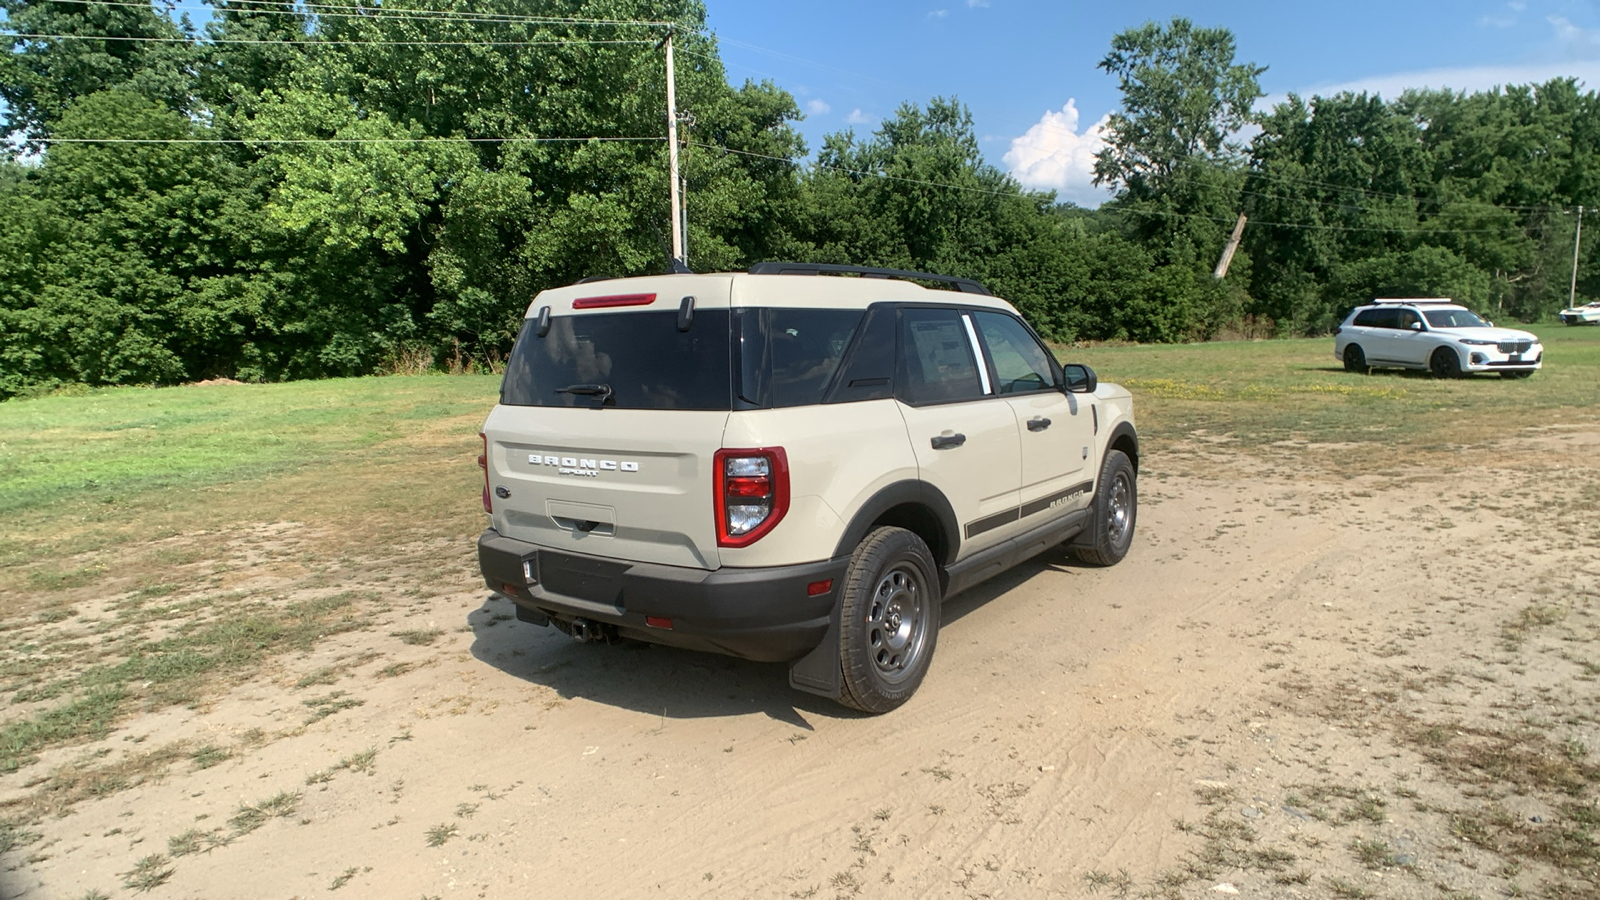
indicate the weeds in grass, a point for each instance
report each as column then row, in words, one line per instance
column 1120, row 884
column 1372, row 854
column 322, row 676
column 1347, row 890
column 323, row 707
column 466, row 810
column 438, row 835
column 208, row 756
column 418, row 638
column 149, row 873
column 13, row 835
column 251, row 816
column 364, row 762
column 1514, row 632
column 186, row 843
column 89, row 716
column 394, row 670
column 343, row 879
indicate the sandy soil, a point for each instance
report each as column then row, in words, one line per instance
column 1236, row 708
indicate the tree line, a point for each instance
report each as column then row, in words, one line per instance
column 304, row 189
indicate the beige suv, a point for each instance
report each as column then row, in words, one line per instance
column 791, row 468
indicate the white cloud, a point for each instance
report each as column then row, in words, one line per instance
column 818, row 107
column 1582, row 43
column 1053, row 155
column 1462, row 78
column 977, row 4
column 938, row 13
column 857, row 117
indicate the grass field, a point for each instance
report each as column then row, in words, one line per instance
column 145, row 493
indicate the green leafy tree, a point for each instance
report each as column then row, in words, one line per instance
column 86, row 48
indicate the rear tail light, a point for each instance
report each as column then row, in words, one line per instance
column 483, row 463
column 751, row 489
column 1336, row 330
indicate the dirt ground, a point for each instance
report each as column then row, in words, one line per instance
column 1296, row 685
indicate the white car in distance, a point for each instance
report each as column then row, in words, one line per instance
column 1436, row 335
column 1587, row 314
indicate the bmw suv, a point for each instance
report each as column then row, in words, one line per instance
column 790, row 465
column 1439, row 336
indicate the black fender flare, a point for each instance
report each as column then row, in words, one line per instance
column 900, row 493
column 1125, row 429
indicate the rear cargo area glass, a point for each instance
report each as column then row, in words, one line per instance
column 641, row 357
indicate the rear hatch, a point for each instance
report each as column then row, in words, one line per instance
column 611, row 413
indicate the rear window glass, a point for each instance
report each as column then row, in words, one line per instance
column 632, row 360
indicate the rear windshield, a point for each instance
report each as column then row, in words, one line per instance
column 633, row 360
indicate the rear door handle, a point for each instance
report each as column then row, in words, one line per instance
column 1039, row 423
column 946, row 441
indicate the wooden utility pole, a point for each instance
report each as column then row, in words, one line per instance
column 672, row 160
column 1572, row 292
column 1228, row 251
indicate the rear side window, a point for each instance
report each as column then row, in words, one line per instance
column 788, row 357
column 1368, row 318
column 936, row 358
column 626, row 360
column 868, row 372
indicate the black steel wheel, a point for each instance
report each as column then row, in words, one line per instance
column 1444, row 363
column 888, row 621
column 1113, row 513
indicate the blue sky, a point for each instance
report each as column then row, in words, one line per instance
column 1027, row 68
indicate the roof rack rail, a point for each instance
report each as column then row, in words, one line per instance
column 965, row 285
column 1411, row 301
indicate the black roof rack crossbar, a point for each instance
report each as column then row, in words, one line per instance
column 965, row 285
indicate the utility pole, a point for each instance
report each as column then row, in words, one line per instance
column 1228, row 251
column 1572, row 293
column 672, row 161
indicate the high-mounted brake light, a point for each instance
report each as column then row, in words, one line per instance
column 483, row 463
column 614, row 300
column 751, row 493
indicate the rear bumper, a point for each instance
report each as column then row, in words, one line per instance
column 762, row 614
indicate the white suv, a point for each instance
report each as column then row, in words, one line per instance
column 1440, row 336
column 791, row 468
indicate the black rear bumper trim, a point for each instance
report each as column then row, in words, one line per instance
column 764, row 614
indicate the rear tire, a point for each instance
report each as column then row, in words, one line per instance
column 1355, row 360
column 888, row 620
column 1444, row 363
column 1112, row 514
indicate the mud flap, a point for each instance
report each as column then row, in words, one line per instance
column 818, row 671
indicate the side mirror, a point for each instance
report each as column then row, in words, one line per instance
column 1416, row 326
column 1080, row 378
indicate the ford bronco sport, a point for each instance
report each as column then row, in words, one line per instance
column 791, row 468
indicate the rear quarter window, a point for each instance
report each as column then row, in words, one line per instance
column 788, row 357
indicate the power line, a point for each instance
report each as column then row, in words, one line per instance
column 1114, row 209
column 312, row 40
column 268, row 7
column 420, row 140
column 867, row 172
